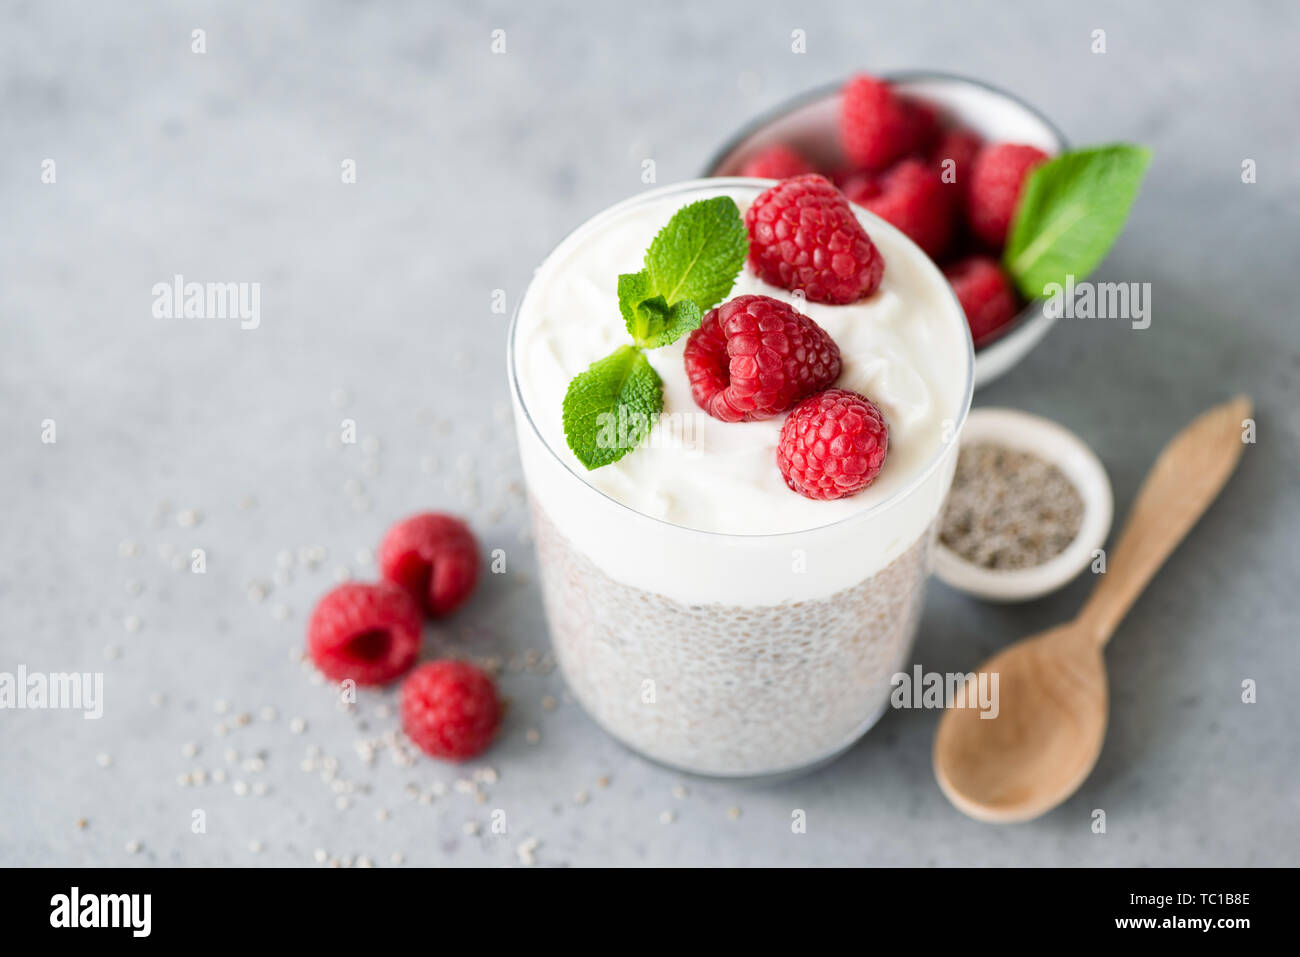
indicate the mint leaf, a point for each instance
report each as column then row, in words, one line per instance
column 657, row 323
column 634, row 289
column 690, row 266
column 1071, row 212
column 609, row 409
column 698, row 254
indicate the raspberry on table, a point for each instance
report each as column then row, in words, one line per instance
column 997, row 177
column 911, row 197
column 804, row 235
column 754, row 357
column 450, row 709
column 435, row 557
column 832, row 445
column 776, row 162
column 985, row 294
column 369, row 633
column 876, row 125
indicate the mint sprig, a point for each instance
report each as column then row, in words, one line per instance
column 650, row 320
column 694, row 259
column 1072, row 210
column 689, row 268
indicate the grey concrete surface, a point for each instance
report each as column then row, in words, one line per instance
column 226, row 166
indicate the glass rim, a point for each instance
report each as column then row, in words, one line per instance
column 716, row 183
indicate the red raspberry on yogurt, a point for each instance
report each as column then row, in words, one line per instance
column 833, row 444
column 804, row 235
column 754, row 357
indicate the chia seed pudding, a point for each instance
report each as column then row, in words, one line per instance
column 702, row 612
column 729, row 689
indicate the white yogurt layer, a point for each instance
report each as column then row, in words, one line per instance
column 904, row 347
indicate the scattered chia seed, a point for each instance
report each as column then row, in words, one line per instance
column 1009, row 509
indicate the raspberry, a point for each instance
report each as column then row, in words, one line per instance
column 803, row 235
column 923, row 125
column 833, row 444
column 876, row 126
column 911, row 197
column 984, row 293
column 369, row 633
column 861, row 187
column 450, row 709
column 434, row 557
column 754, row 357
column 776, row 162
column 996, row 178
column 961, row 147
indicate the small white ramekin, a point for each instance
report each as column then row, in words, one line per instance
column 1024, row 432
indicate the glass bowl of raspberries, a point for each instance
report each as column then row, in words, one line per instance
column 941, row 157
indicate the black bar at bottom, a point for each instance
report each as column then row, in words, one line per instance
column 333, row 906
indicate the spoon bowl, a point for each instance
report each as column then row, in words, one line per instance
column 1045, row 738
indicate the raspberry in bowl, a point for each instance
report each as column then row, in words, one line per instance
column 703, row 610
column 877, row 137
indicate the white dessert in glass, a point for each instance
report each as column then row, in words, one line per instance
column 702, row 612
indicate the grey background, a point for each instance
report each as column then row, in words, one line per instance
column 226, row 166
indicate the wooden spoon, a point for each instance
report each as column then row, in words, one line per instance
column 1052, row 699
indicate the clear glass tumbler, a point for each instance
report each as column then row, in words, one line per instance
column 726, row 654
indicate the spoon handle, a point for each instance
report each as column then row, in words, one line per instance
column 1185, row 479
